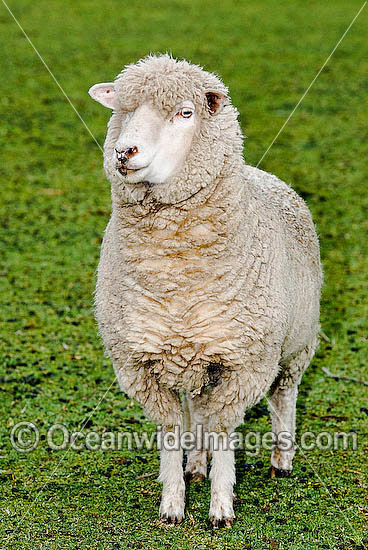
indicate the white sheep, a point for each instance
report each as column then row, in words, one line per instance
column 209, row 279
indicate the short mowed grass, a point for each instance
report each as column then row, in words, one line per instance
column 55, row 203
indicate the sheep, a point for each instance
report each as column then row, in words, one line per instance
column 208, row 285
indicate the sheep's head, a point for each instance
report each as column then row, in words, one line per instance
column 171, row 129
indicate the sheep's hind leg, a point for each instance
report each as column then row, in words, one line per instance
column 282, row 405
column 196, row 467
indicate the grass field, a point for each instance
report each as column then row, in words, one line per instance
column 55, row 205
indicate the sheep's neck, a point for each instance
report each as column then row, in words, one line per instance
column 167, row 249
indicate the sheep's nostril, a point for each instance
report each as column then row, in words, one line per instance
column 131, row 152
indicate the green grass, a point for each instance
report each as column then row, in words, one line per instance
column 55, row 205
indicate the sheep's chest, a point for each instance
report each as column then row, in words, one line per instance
column 178, row 320
column 180, row 338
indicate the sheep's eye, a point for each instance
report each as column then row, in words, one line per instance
column 185, row 112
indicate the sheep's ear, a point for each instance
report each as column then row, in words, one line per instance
column 216, row 101
column 104, row 93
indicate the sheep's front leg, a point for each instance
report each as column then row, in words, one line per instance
column 163, row 407
column 222, row 475
column 171, row 477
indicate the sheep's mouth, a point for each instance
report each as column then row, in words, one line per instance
column 124, row 171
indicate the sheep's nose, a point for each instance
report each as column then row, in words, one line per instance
column 126, row 154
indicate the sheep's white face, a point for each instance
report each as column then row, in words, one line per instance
column 150, row 148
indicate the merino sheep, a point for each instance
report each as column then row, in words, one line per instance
column 209, row 280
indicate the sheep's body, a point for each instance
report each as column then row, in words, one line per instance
column 179, row 290
column 212, row 293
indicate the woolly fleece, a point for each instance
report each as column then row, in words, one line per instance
column 208, row 285
column 217, row 267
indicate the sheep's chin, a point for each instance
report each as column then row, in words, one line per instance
column 141, row 176
column 133, row 176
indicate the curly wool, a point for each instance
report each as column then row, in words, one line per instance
column 166, row 83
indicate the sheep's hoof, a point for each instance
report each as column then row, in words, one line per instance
column 276, row 472
column 173, row 520
column 220, row 523
column 194, row 477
